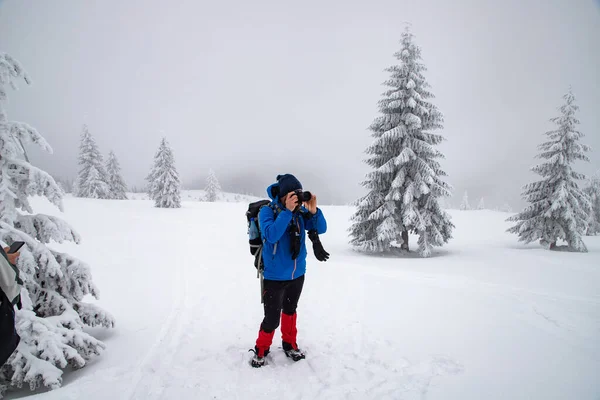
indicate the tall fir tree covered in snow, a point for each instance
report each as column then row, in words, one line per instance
column 164, row 185
column 558, row 209
column 405, row 185
column 593, row 193
column 213, row 188
column 116, row 185
column 464, row 205
column 52, row 320
column 92, row 180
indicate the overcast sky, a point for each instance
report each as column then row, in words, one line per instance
column 256, row 88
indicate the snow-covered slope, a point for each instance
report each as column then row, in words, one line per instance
column 485, row 318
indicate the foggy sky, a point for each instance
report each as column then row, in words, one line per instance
column 257, row 88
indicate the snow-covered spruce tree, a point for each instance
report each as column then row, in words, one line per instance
column 405, row 185
column 465, row 202
column 164, row 185
column 558, row 209
column 593, row 193
column 116, row 184
column 97, row 188
column 481, row 205
column 213, row 188
column 92, row 180
column 53, row 315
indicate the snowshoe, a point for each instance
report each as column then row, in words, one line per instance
column 293, row 352
column 257, row 360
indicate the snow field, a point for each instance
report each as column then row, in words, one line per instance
column 485, row 317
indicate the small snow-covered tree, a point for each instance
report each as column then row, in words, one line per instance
column 465, row 202
column 92, row 180
column 558, row 209
column 213, row 188
column 116, row 184
column 593, row 193
column 481, row 205
column 405, row 184
column 164, row 185
column 52, row 320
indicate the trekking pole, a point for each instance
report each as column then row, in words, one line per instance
column 262, row 285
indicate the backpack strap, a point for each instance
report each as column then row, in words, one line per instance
column 276, row 210
column 306, row 215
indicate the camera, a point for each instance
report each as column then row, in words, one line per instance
column 303, row 196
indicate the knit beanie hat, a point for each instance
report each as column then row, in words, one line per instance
column 287, row 183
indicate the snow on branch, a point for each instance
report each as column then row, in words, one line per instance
column 46, row 346
column 46, row 228
column 92, row 315
column 33, row 181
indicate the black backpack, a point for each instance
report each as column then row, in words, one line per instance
column 254, row 234
column 9, row 339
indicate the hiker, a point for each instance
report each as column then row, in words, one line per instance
column 283, row 224
column 10, row 295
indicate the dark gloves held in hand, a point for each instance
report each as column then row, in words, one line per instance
column 320, row 252
column 318, row 249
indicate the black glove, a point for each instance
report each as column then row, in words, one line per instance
column 320, row 252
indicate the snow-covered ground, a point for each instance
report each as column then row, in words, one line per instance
column 200, row 195
column 485, row 318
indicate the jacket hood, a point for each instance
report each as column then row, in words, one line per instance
column 273, row 194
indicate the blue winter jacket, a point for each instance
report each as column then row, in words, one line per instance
column 276, row 253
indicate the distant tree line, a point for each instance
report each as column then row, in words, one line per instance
column 98, row 180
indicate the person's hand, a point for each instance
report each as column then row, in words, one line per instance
column 12, row 257
column 291, row 202
column 311, row 205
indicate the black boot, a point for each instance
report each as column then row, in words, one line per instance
column 258, row 360
column 292, row 351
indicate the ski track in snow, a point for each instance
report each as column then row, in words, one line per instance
column 148, row 382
